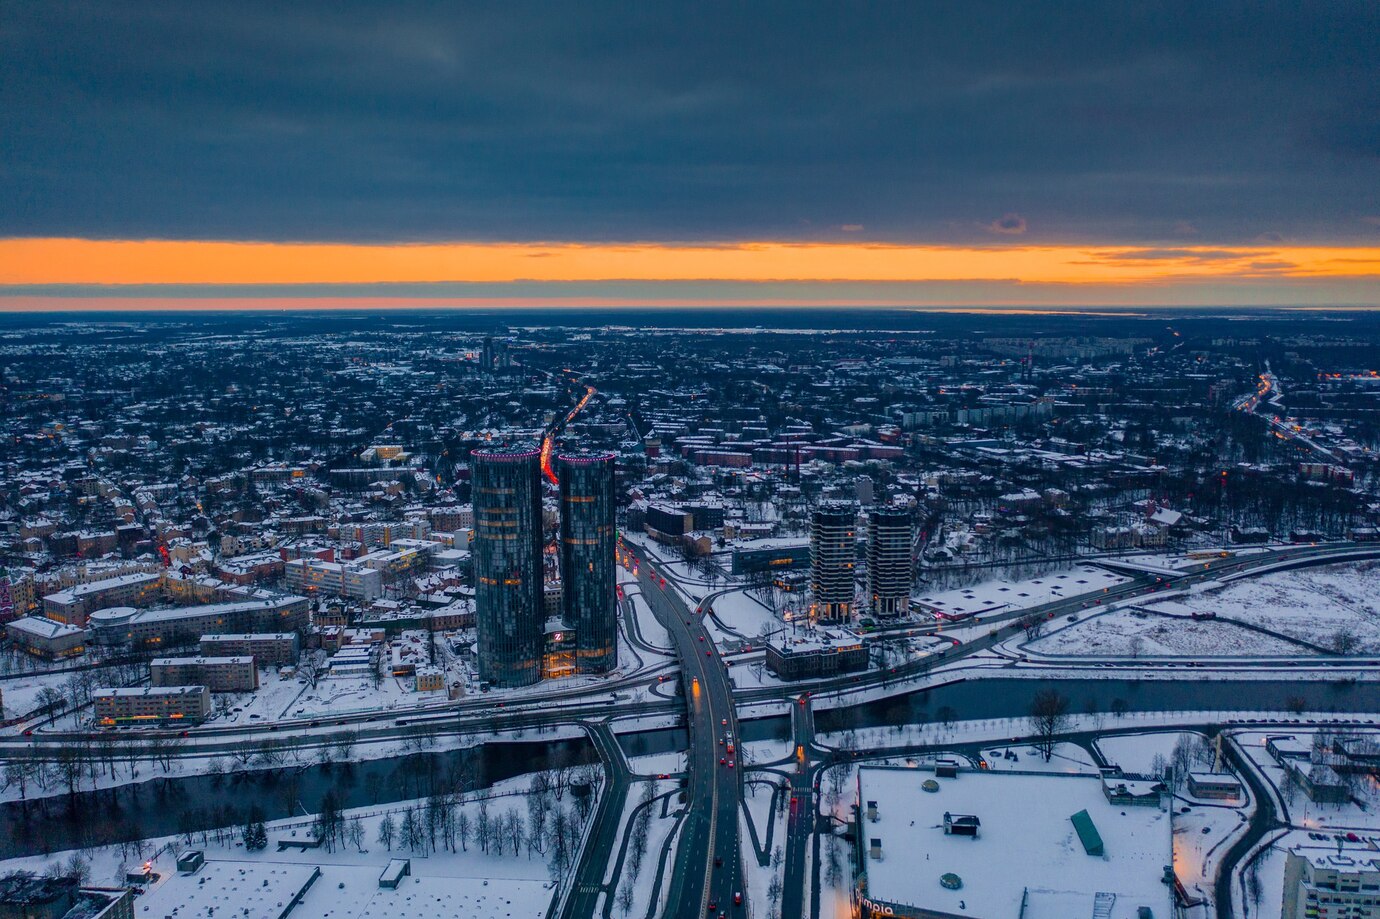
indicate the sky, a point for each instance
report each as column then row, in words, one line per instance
column 345, row 154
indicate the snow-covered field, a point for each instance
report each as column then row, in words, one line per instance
column 1124, row 633
column 467, row 882
column 1136, row 752
column 657, row 763
column 1064, row 757
column 21, row 693
column 744, row 615
column 1312, row 604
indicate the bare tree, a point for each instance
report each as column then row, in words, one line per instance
column 354, row 833
column 463, row 830
column 387, row 831
column 1345, row 641
column 625, row 897
column 1048, row 715
column 311, row 665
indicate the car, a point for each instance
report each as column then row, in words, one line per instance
column 730, row 764
column 722, row 760
column 723, row 721
column 718, row 861
column 701, row 638
column 713, row 905
column 663, row 775
column 707, row 654
column 721, row 741
column 737, row 898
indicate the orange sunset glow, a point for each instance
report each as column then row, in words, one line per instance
column 99, row 262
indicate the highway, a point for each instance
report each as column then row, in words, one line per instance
column 710, row 833
column 800, row 818
column 708, row 867
column 588, row 882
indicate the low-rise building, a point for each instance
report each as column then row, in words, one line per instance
column 25, row 895
column 46, row 638
column 310, row 575
column 264, row 647
column 430, row 679
column 824, row 652
column 75, row 604
column 219, row 674
column 152, row 704
column 1331, row 882
column 153, row 628
column 1221, row 785
column 995, row 844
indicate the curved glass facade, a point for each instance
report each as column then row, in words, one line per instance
column 588, row 538
column 508, row 598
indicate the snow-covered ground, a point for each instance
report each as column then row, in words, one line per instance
column 766, row 820
column 1129, row 633
column 741, row 612
column 652, row 631
column 637, row 876
column 21, row 693
column 657, row 763
column 1064, row 757
column 191, row 764
column 1136, row 752
column 1312, row 604
column 467, row 882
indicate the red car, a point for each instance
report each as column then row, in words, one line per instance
column 738, row 898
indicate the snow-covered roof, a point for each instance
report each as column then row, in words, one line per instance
column 1027, row 851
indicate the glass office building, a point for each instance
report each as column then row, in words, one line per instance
column 588, row 538
column 509, row 615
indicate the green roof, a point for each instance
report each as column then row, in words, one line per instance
column 1087, row 833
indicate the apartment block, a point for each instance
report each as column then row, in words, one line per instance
column 152, row 703
column 265, row 647
column 312, row 576
column 218, row 674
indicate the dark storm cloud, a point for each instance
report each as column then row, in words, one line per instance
column 918, row 121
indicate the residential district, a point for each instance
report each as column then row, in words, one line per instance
column 941, row 615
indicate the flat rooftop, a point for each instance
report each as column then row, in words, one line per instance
column 1027, row 848
column 262, row 890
